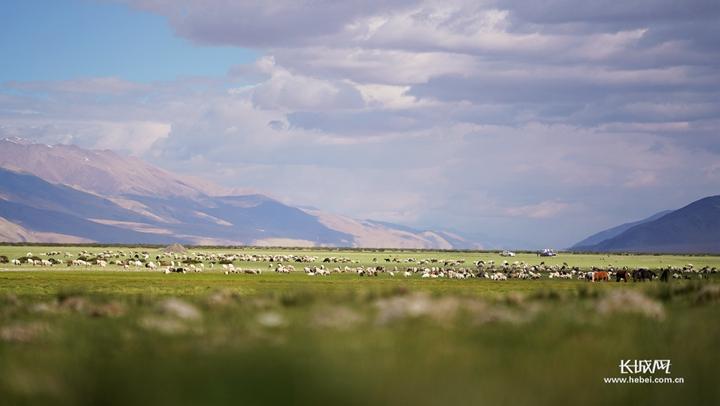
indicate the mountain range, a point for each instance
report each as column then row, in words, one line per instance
column 694, row 228
column 64, row 193
column 67, row 194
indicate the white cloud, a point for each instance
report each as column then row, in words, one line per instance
column 388, row 96
column 372, row 65
column 286, row 91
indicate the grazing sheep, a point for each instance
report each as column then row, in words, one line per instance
column 284, row 268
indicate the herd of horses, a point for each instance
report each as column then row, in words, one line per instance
column 638, row 275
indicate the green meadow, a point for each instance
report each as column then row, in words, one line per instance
column 74, row 335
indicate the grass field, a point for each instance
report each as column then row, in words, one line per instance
column 96, row 335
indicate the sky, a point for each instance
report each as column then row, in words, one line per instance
column 522, row 123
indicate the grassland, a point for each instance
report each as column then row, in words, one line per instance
column 107, row 336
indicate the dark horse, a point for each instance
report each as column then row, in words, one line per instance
column 664, row 275
column 643, row 275
column 621, row 275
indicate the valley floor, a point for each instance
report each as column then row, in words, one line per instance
column 105, row 335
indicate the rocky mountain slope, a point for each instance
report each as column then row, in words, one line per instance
column 59, row 193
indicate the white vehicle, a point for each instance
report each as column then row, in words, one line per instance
column 547, row 252
column 507, row 253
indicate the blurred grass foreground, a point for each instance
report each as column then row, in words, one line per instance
column 113, row 338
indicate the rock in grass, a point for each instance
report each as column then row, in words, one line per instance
column 164, row 325
column 628, row 301
column 336, row 317
column 271, row 319
column 180, row 309
column 23, row 333
column 708, row 293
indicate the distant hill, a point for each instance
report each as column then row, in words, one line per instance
column 58, row 193
column 454, row 241
column 30, row 203
column 694, row 228
column 597, row 238
column 103, row 172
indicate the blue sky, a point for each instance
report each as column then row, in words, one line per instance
column 529, row 122
column 70, row 39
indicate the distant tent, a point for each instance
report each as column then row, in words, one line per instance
column 175, row 249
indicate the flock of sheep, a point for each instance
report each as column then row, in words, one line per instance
column 408, row 267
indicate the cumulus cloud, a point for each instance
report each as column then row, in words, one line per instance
column 284, row 90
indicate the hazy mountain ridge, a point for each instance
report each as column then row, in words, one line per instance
column 601, row 236
column 106, row 197
column 694, row 228
column 103, row 172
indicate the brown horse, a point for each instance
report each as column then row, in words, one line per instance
column 600, row 276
